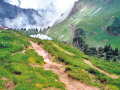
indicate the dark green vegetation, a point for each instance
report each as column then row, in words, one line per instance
column 79, row 42
column 16, row 67
column 93, row 16
column 114, row 29
column 106, row 53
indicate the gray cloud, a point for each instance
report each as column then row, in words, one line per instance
column 50, row 10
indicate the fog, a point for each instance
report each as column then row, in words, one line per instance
column 50, row 10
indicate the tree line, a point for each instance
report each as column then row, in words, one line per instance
column 114, row 29
column 106, row 52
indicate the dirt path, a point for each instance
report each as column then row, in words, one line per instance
column 59, row 69
column 18, row 52
column 102, row 71
column 1, row 30
column 63, row 50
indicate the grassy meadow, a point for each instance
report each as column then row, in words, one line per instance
column 78, row 69
column 18, row 67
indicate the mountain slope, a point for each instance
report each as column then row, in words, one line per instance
column 22, row 68
column 23, row 17
column 93, row 16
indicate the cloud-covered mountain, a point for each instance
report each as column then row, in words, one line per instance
column 15, row 17
column 32, row 13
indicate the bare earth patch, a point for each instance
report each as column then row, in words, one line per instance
column 10, row 85
column 51, row 88
column 30, row 47
column 18, row 52
column 35, row 65
column 59, row 69
column 4, row 79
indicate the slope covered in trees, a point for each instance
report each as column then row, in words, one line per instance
column 106, row 52
column 114, row 29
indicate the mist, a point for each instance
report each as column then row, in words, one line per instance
column 50, row 11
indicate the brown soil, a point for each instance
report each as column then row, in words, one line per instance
column 102, row 71
column 8, row 84
column 35, row 65
column 59, row 69
column 52, row 88
column 4, row 79
column 1, row 30
column 18, row 52
column 30, row 47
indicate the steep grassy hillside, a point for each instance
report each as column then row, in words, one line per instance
column 93, row 16
column 21, row 68
column 78, row 69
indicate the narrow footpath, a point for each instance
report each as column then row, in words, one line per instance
column 59, row 69
column 102, row 71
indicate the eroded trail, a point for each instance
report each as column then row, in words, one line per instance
column 63, row 50
column 59, row 69
column 89, row 63
column 102, row 71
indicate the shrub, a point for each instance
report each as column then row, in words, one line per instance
column 5, row 45
column 4, row 55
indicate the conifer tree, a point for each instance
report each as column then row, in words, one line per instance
column 116, row 52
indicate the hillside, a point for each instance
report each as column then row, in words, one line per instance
column 98, row 20
column 33, row 64
column 21, row 68
column 22, row 17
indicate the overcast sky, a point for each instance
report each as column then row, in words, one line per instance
column 43, row 4
column 52, row 8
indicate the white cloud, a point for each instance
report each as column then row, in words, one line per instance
column 13, row 2
column 52, row 8
column 61, row 5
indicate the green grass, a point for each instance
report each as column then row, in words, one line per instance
column 79, row 70
column 16, row 66
column 110, row 67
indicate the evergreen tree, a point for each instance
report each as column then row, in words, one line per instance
column 114, row 59
column 108, row 48
column 108, row 57
column 105, row 48
column 116, row 52
column 108, row 28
